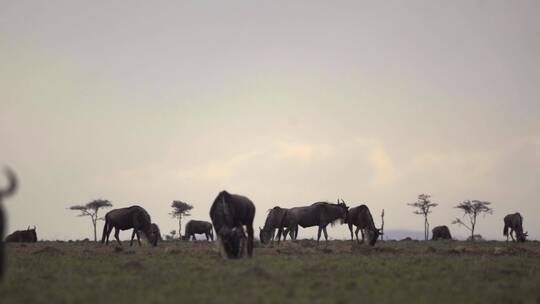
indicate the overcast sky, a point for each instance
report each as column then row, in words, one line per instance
column 286, row 102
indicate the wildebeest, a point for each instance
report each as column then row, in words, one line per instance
column 441, row 233
column 274, row 220
column 318, row 214
column 198, row 227
column 362, row 219
column 134, row 217
column 23, row 236
column 156, row 232
column 229, row 213
column 4, row 193
column 514, row 222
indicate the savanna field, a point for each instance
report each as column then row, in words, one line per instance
column 294, row 272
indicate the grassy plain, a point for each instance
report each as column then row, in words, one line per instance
column 294, row 272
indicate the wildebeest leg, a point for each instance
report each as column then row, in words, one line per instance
column 132, row 237
column 109, row 230
column 206, row 235
column 350, row 229
column 117, row 235
column 193, row 238
column 512, row 234
column 362, row 232
column 356, row 233
column 138, row 238
column 319, row 234
column 325, row 234
column 250, row 239
column 280, row 231
column 285, row 232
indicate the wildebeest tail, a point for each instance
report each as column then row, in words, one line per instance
column 105, row 228
column 505, row 230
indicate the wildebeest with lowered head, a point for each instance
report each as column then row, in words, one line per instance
column 514, row 222
column 229, row 213
column 441, row 233
column 198, row 227
column 23, row 236
column 156, row 232
column 4, row 193
column 318, row 214
column 134, row 217
column 274, row 220
column 362, row 219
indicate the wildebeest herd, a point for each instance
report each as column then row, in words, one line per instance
column 232, row 218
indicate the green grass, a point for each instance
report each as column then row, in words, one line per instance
column 182, row 272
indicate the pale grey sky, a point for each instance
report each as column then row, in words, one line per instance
column 286, row 102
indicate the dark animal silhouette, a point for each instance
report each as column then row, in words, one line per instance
column 441, row 233
column 362, row 219
column 275, row 219
column 318, row 214
column 198, row 227
column 134, row 217
column 23, row 236
column 229, row 213
column 156, row 232
column 514, row 222
column 4, row 193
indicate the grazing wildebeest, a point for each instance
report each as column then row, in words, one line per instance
column 514, row 222
column 318, row 214
column 134, row 217
column 229, row 213
column 156, row 232
column 441, row 233
column 198, row 227
column 274, row 220
column 362, row 219
column 4, row 193
column 23, row 236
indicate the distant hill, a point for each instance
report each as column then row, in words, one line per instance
column 399, row 234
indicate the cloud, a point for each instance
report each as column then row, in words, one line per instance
column 220, row 169
column 385, row 171
column 302, row 152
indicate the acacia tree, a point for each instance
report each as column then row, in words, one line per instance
column 424, row 205
column 472, row 209
column 180, row 209
column 91, row 209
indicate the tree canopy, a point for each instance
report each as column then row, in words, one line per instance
column 92, row 207
column 472, row 209
column 180, row 209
